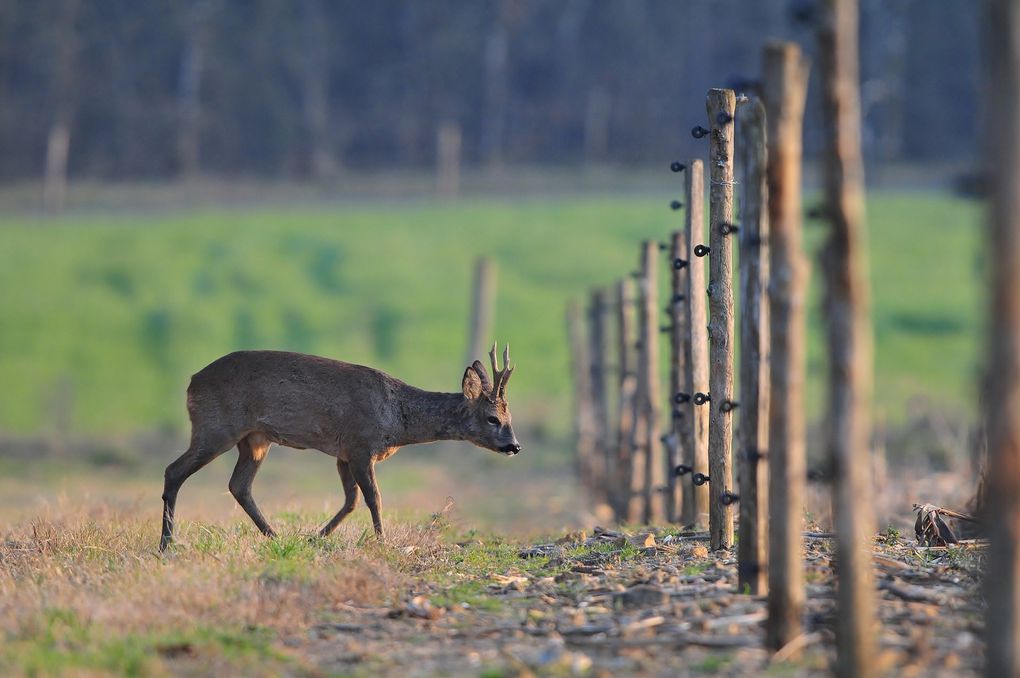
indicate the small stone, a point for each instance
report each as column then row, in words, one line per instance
column 580, row 663
column 422, row 607
column 642, row 595
column 574, row 537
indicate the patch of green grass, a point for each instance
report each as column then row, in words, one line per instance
column 67, row 644
column 288, row 556
column 474, row 593
column 123, row 308
column 493, row 555
column 712, row 664
column 891, row 535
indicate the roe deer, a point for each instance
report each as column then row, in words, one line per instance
column 359, row 415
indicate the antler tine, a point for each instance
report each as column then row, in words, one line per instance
column 505, row 374
column 495, row 368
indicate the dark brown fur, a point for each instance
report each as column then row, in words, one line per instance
column 356, row 414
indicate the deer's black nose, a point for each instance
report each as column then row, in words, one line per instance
column 512, row 448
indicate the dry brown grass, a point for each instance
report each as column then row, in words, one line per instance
column 88, row 592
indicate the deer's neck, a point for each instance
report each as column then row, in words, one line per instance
column 428, row 416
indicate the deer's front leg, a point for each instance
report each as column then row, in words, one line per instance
column 364, row 475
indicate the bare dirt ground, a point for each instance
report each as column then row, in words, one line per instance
column 655, row 604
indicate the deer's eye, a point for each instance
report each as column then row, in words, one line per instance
column 493, row 421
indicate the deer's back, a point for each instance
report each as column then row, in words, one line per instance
column 296, row 399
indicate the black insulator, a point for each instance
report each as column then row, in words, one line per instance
column 681, row 398
column 727, row 498
column 677, row 414
column 679, row 263
column 723, row 118
column 702, row 398
column 729, row 405
column 677, row 166
column 682, row 470
column 701, row 250
column 699, row 132
column 678, row 298
column 700, row 479
column 726, row 228
column 675, row 205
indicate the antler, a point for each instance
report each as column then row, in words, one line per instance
column 500, row 377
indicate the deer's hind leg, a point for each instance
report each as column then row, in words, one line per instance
column 203, row 449
column 350, row 498
column 251, row 451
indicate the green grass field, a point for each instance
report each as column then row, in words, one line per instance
column 104, row 318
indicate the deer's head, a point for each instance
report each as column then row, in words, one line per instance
column 488, row 422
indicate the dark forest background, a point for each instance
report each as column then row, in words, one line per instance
column 149, row 89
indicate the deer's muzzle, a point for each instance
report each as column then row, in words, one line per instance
column 511, row 449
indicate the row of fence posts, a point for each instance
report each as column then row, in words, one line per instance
column 649, row 464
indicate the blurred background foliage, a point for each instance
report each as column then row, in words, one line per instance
column 313, row 88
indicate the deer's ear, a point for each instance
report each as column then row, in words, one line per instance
column 472, row 384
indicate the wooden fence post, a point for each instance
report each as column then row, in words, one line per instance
column 597, row 336
column 696, row 349
column 648, row 383
column 626, row 370
column 582, row 397
column 678, row 367
column 721, row 105
column 483, row 300
column 848, row 322
column 784, row 88
column 448, row 157
column 754, row 351
column 1002, row 578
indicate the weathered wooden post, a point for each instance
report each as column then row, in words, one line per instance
column 696, row 350
column 598, row 335
column 784, row 88
column 678, row 338
column 448, row 156
column 848, row 323
column 648, row 383
column 626, row 369
column 1002, row 579
column 582, row 397
column 483, row 301
column 754, row 351
column 721, row 105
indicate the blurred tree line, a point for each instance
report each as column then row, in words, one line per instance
column 117, row 89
